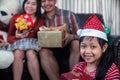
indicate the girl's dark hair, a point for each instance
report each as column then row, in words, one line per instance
column 105, row 62
column 38, row 11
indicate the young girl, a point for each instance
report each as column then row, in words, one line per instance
column 23, row 42
column 95, row 51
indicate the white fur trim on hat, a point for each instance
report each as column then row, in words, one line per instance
column 93, row 32
column 79, row 31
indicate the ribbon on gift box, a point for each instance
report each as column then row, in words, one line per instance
column 24, row 22
column 51, row 28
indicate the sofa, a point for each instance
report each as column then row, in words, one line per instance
column 116, row 48
column 6, row 74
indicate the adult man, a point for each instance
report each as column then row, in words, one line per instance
column 56, row 17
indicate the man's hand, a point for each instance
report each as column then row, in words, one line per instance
column 67, row 38
column 63, row 27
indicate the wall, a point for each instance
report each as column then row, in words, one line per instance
column 110, row 9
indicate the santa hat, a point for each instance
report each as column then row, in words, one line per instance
column 93, row 27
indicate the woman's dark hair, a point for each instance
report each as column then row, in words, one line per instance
column 38, row 11
column 105, row 62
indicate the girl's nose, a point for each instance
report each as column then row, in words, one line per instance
column 87, row 50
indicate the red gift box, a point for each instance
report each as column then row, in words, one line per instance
column 24, row 23
column 75, row 76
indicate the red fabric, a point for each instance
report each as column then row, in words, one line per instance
column 2, row 28
column 1, row 38
column 113, row 71
column 93, row 23
column 12, row 29
column 63, row 17
column 75, row 75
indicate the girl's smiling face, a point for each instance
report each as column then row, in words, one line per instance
column 90, row 50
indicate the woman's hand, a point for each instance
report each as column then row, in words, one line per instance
column 22, row 35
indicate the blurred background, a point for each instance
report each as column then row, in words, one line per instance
column 110, row 9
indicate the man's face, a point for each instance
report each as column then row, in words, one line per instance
column 48, row 5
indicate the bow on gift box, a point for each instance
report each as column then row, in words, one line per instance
column 24, row 22
column 63, row 27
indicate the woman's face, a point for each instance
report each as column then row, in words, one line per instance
column 90, row 50
column 30, row 7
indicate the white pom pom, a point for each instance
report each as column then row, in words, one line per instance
column 6, row 59
column 79, row 32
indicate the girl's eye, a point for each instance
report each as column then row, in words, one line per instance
column 82, row 46
column 93, row 46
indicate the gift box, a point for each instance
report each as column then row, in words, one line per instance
column 75, row 76
column 50, row 39
column 24, row 23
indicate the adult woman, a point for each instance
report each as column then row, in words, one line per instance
column 20, row 41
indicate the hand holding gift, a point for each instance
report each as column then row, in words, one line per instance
column 24, row 23
column 54, row 34
column 22, row 35
column 51, row 28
